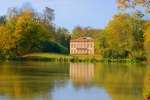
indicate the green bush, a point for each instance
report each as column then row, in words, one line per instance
column 138, row 55
column 113, row 54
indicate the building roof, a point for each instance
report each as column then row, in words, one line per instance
column 83, row 39
column 89, row 38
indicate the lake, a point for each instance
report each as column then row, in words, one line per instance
column 72, row 81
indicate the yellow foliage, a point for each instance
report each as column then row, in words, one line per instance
column 147, row 39
column 124, row 4
column 115, row 31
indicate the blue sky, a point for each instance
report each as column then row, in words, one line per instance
column 69, row 13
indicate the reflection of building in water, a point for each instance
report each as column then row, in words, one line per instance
column 81, row 70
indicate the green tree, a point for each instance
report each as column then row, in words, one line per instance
column 76, row 32
column 46, row 19
column 2, row 20
column 7, row 43
column 115, row 33
column 123, row 36
column 24, row 31
column 63, row 37
column 147, row 40
column 29, row 33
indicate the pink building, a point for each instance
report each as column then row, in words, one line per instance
column 83, row 45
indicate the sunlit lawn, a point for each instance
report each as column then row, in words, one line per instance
column 68, row 56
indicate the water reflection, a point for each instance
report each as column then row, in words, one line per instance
column 121, row 81
column 82, row 71
column 31, row 80
column 72, row 81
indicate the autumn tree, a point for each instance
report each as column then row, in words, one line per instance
column 24, row 31
column 123, row 36
column 29, row 33
column 135, row 28
column 116, row 37
column 147, row 39
column 124, row 4
column 7, row 43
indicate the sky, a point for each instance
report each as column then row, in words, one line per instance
column 70, row 13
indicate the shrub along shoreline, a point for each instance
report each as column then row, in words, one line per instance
column 52, row 57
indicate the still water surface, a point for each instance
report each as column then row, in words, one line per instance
column 72, row 81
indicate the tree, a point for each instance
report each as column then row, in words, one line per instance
column 49, row 14
column 115, row 31
column 147, row 40
column 136, row 29
column 7, row 43
column 46, row 19
column 2, row 20
column 63, row 37
column 124, row 33
column 116, row 37
column 76, row 32
column 29, row 33
column 79, row 31
column 124, row 4
column 24, row 31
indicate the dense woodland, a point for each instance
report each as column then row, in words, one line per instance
column 23, row 30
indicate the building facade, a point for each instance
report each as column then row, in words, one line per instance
column 83, row 45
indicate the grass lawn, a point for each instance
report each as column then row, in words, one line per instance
column 72, row 58
column 54, row 55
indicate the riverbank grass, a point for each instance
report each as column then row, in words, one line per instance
column 59, row 57
column 71, row 58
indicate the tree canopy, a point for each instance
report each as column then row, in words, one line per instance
column 124, row 4
column 23, row 31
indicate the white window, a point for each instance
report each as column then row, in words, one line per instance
column 84, row 45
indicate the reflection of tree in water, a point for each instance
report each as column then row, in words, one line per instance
column 81, row 74
column 32, row 79
column 146, row 90
column 122, row 82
